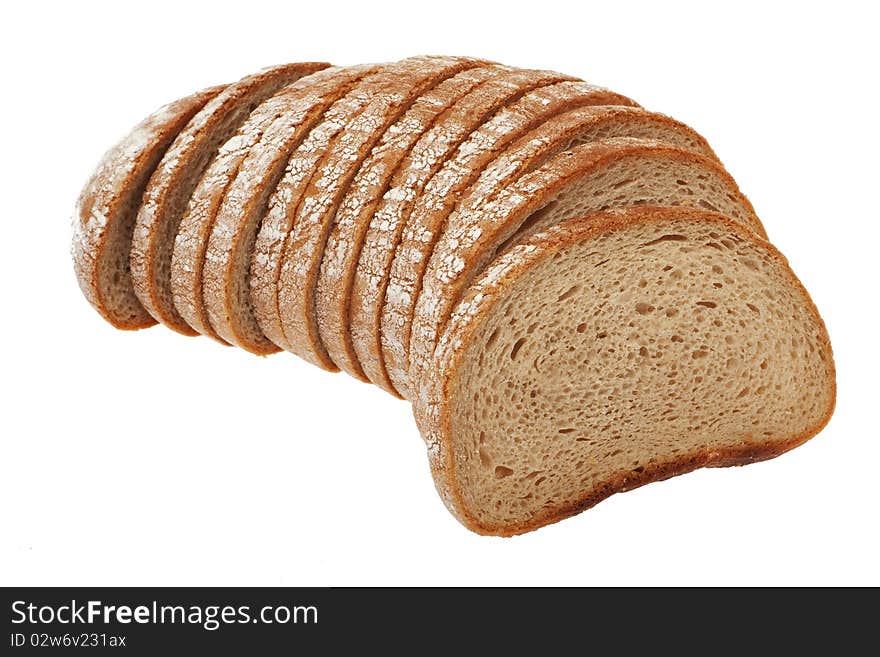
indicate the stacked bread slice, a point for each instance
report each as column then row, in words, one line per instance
column 570, row 289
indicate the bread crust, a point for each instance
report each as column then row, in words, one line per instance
column 107, row 206
column 272, row 128
column 395, row 303
column 269, row 248
column 175, row 177
column 226, row 243
column 343, row 247
column 388, row 222
column 432, row 403
column 304, row 246
column 467, row 245
column 558, row 134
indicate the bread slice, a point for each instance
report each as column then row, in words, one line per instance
column 237, row 183
column 346, row 236
column 105, row 213
column 593, row 177
column 254, row 322
column 168, row 192
column 304, row 248
column 529, row 94
column 566, row 131
column 418, row 233
column 616, row 350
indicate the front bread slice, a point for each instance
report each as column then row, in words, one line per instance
column 615, row 350
column 108, row 205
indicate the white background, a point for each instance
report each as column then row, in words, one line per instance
column 153, row 459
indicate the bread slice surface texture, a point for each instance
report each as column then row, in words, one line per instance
column 595, row 176
column 259, row 321
column 217, row 232
column 569, row 130
column 343, row 247
column 264, row 141
column 108, row 205
column 472, row 114
column 420, row 230
column 304, row 247
column 615, row 350
column 171, row 185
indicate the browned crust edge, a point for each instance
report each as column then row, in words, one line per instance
column 660, row 472
column 547, row 243
column 171, row 177
column 226, row 245
column 563, row 168
column 206, row 201
column 304, row 245
column 104, row 189
column 270, row 249
column 410, row 256
column 342, row 250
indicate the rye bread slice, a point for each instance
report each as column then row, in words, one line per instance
column 168, row 192
column 616, row 350
column 375, row 321
column 427, row 158
column 573, row 128
column 593, row 177
column 107, row 207
column 256, row 324
column 346, row 236
column 304, row 248
column 237, row 184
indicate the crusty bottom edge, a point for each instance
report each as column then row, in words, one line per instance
column 621, row 483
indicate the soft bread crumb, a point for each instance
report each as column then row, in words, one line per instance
column 596, row 176
column 615, row 350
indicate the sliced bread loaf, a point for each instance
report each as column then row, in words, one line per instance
column 418, row 232
column 231, row 197
column 343, row 247
column 304, row 248
column 170, row 187
column 255, row 324
column 592, row 177
column 615, row 350
column 518, row 88
column 105, row 214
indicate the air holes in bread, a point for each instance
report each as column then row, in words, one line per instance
column 570, row 292
column 536, row 217
column 666, row 238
